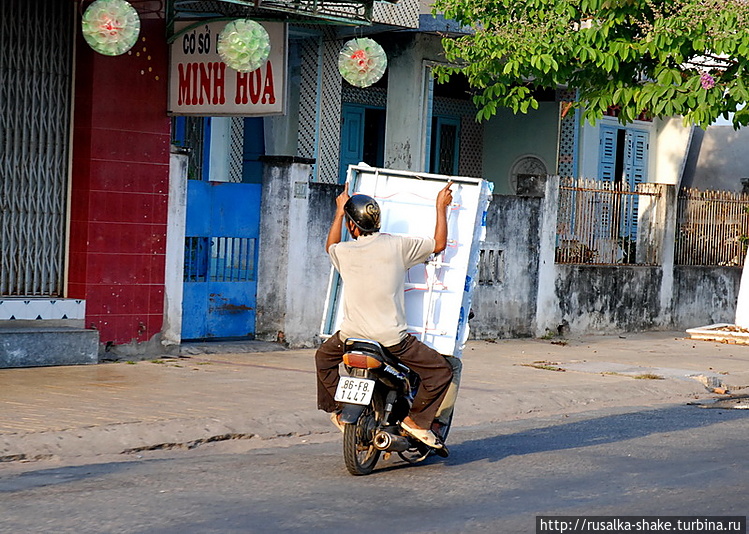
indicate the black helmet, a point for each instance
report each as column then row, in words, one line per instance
column 364, row 212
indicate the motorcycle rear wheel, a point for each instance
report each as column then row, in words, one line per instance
column 359, row 452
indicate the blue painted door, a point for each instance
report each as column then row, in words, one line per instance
column 352, row 138
column 362, row 137
column 221, row 243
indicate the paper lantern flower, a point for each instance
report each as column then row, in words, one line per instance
column 111, row 27
column 244, row 45
column 362, row 62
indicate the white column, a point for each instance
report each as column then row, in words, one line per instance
column 547, row 302
column 171, row 330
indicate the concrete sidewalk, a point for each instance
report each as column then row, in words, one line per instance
column 227, row 392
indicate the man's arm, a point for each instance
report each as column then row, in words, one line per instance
column 334, row 234
column 444, row 199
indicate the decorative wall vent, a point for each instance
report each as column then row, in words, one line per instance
column 526, row 166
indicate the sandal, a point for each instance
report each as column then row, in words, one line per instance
column 336, row 420
column 425, row 436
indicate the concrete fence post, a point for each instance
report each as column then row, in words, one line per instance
column 283, row 250
column 547, row 301
column 656, row 231
column 669, row 209
column 171, row 330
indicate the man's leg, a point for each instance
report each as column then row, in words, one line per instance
column 445, row 411
column 435, row 373
column 327, row 358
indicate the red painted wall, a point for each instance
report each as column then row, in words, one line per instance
column 120, row 187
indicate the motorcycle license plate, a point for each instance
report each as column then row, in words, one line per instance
column 354, row 390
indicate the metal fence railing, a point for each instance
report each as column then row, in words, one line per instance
column 712, row 228
column 598, row 222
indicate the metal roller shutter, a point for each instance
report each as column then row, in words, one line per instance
column 36, row 57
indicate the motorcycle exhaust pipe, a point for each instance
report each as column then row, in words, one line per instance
column 385, row 441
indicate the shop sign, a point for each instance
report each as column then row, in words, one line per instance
column 200, row 83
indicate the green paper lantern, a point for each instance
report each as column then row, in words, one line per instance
column 362, row 62
column 244, row 45
column 111, row 27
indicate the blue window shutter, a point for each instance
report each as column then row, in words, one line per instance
column 637, row 158
column 606, row 170
column 607, row 154
column 635, row 171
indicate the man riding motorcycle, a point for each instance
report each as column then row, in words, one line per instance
column 373, row 267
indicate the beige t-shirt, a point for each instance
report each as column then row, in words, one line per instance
column 373, row 269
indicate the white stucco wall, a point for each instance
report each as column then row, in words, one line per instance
column 405, row 117
column 672, row 143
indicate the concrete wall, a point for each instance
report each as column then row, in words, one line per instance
column 608, row 299
column 293, row 268
column 171, row 331
column 506, row 306
column 705, row 295
column 530, row 294
column 536, row 296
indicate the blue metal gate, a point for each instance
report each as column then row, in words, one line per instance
column 222, row 230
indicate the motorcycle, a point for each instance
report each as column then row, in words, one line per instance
column 376, row 396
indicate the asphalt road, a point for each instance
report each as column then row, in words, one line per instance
column 680, row 460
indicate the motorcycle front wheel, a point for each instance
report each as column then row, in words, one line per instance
column 359, row 452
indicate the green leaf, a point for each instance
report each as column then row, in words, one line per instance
column 638, row 54
column 741, row 91
column 664, row 77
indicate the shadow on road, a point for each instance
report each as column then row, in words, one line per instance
column 598, row 431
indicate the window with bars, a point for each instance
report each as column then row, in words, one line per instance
column 491, row 265
column 445, row 147
column 220, row 259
